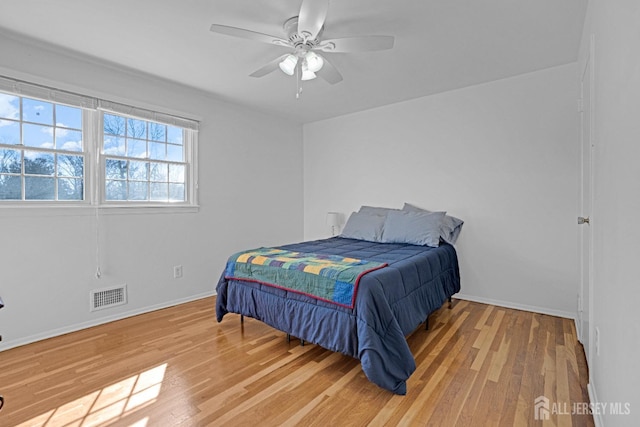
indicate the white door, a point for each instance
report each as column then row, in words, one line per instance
column 586, row 290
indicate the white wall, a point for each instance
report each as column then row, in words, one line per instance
column 47, row 257
column 615, row 373
column 501, row 156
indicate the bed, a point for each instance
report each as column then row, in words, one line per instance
column 390, row 302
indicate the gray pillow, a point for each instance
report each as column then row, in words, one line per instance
column 375, row 210
column 416, row 228
column 451, row 225
column 364, row 226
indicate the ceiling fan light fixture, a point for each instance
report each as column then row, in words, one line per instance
column 288, row 64
column 314, row 61
column 308, row 75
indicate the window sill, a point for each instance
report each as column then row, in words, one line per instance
column 49, row 210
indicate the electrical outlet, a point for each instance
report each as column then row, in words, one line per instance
column 597, row 340
column 177, row 271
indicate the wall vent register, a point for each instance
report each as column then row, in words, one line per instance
column 108, row 297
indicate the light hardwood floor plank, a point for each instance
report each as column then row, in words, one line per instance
column 477, row 365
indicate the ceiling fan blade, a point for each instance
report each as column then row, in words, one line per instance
column 356, row 44
column 311, row 17
column 251, row 35
column 269, row 68
column 329, row 72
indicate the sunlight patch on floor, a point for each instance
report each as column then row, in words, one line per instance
column 108, row 404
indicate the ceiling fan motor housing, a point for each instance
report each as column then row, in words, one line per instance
column 300, row 43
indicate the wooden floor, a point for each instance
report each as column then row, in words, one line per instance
column 477, row 365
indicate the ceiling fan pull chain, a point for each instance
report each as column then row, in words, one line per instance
column 298, row 84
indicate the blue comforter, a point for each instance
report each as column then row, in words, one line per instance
column 390, row 304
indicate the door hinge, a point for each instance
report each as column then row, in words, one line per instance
column 580, row 105
column 583, row 220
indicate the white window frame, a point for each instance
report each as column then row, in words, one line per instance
column 85, row 152
column 92, row 135
column 189, row 144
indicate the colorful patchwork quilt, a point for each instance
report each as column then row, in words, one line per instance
column 330, row 278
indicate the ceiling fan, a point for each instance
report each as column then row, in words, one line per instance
column 303, row 36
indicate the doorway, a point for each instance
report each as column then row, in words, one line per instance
column 585, row 312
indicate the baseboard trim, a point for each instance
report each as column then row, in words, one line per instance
column 593, row 398
column 578, row 330
column 85, row 325
column 516, row 306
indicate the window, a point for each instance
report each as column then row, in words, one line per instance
column 42, row 154
column 144, row 160
column 58, row 147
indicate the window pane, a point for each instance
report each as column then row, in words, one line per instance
column 37, row 136
column 9, row 132
column 113, row 125
column 138, row 171
column 70, row 189
column 116, row 169
column 175, row 153
column 159, row 191
column 158, row 172
column 176, row 173
column 114, row 145
column 157, row 150
column 174, row 135
column 71, row 166
column 37, row 111
column 138, row 190
column 157, row 132
column 70, row 140
column 176, row 192
column 136, row 148
column 68, row 117
column 116, row 190
column 36, row 163
column 9, row 106
column 147, row 163
column 10, row 187
column 10, row 161
column 136, row 129
column 37, row 188
column 38, row 166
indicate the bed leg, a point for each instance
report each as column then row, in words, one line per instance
column 301, row 343
column 450, row 303
column 426, row 324
column 288, row 338
column 242, row 318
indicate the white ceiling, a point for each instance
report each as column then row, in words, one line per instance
column 439, row 45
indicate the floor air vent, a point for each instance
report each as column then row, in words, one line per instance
column 108, row 297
